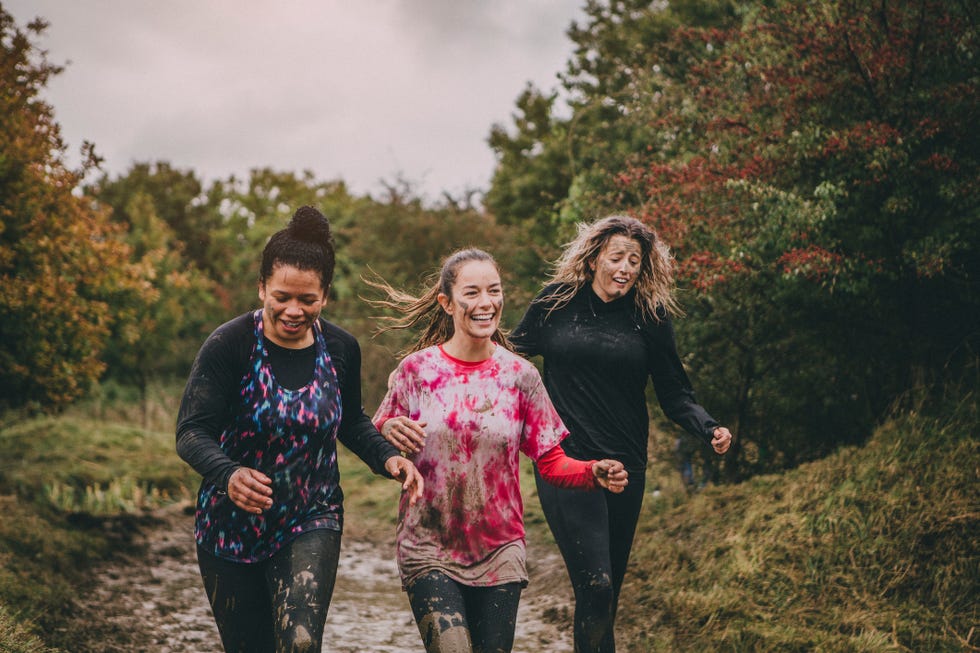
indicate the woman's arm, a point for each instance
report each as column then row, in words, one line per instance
column 673, row 387
column 204, row 408
column 564, row 472
column 357, row 432
column 524, row 338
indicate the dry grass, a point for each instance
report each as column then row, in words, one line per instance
column 870, row 549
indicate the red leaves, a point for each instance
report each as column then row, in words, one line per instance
column 704, row 270
column 812, row 262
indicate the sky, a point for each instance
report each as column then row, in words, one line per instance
column 360, row 90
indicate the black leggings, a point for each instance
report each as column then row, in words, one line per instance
column 594, row 531
column 279, row 604
column 457, row 618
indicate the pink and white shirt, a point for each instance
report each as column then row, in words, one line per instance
column 480, row 415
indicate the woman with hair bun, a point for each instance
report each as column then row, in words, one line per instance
column 464, row 407
column 602, row 327
column 268, row 396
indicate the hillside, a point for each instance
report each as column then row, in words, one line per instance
column 874, row 548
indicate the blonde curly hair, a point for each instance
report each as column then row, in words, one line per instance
column 654, row 283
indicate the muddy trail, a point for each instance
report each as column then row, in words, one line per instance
column 153, row 599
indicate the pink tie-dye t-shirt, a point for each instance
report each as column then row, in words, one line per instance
column 479, row 417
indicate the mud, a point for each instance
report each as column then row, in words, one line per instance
column 153, row 600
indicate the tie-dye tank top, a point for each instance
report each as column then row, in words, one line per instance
column 291, row 437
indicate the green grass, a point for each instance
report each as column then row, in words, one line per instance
column 73, row 490
column 871, row 549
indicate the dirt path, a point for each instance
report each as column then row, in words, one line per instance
column 155, row 602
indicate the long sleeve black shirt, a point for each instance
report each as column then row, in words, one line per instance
column 597, row 359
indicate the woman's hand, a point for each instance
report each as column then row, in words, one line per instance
column 250, row 489
column 406, row 434
column 402, row 469
column 722, row 440
column 611, row 475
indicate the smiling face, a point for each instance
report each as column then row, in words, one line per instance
column 476, row 302
column 292, row 300
column 616, row 267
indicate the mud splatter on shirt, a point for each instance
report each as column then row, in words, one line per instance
column 291, row 436
column 480, row 416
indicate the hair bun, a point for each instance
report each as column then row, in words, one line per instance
column 310, row 225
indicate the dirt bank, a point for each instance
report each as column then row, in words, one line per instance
column 153, row 600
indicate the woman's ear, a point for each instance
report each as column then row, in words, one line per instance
column 445, row 302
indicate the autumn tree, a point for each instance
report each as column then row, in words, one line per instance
column 177, row 197
column 159, row 329
column 61, row 261
column 818, row 171
column 814, row 167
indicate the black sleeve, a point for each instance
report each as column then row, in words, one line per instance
column 673, row 387
column 525, row 337
column 357, row 432
column 209, row 396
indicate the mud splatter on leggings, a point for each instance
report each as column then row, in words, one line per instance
column 279, row 604
column 594, row 532
column 457, row 618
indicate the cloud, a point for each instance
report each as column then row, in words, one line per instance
column 360, row 91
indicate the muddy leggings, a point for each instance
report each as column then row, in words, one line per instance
column 279, row 604
column 457, row 618
column 594, row 531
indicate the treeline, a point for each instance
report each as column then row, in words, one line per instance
column 813, row 166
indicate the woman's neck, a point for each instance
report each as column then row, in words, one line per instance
column 471, row 350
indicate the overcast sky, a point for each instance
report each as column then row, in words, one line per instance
column 360, row 90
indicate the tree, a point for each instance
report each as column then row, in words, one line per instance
column 60, row 259
column 158, row 330
column 177, row 197
column 821, row 183
column 814, row 167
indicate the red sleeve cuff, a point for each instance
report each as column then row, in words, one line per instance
column 564, row 472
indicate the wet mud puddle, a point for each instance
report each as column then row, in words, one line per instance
column 155, row 601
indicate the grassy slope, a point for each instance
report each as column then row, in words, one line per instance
column 72, row 490
column 872, row 549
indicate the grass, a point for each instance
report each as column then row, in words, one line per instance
column 73, row 490
column 872, row 549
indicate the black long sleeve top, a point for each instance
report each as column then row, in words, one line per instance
column 597, row 359
column 212, row 393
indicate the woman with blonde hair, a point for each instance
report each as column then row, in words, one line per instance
column 462, row 406
column 602, row 327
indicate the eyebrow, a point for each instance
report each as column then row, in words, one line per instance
column 305, row 295
column 474, row 286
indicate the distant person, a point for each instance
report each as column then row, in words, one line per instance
column 602, row 327
column 269, row 395
column 463, row 406
column 685, row 452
